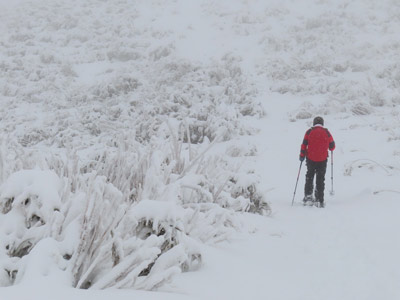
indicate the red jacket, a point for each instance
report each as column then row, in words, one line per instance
column 316, row 143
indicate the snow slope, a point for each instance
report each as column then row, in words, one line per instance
column 334, row 58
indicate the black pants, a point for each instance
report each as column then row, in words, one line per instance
column 318, row 169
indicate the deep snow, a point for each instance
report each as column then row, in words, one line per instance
column 349, row 250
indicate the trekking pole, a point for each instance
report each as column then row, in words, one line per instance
column 295, row 188
column 332, row 191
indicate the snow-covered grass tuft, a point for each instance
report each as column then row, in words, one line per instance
column 119, row 219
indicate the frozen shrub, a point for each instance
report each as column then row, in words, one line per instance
column 340, row 68
column 197, row 132
column 240, row 151
column 377, row 101
column 129, row 218
column 34, row 137
column 245, row 186
column 123, row 55
column 159, row 53
column 304, row 115
column 361, row 109
column 120, row 85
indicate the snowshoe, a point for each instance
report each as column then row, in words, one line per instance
column 308, row 200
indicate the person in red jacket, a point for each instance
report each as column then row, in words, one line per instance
column 317, row 141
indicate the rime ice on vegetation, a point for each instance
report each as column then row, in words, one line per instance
column 111, row 165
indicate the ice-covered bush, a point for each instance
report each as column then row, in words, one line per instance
column 127, row 218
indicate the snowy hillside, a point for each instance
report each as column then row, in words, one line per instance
column 151, row 147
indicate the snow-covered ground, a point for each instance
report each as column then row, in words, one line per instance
column 74, row 75
column 347, row 251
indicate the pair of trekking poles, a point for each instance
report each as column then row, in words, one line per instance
column 332, row 192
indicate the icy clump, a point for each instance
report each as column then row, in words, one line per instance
column 31, row 205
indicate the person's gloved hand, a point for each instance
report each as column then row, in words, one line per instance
column 301, row 158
